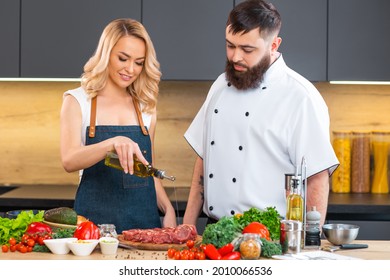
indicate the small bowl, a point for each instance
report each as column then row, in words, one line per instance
column 339, row 234
column 58, row 246
column 82, row 247
column 108, row 245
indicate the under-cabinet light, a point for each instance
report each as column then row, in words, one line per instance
column 360, row 82
column 40, row 79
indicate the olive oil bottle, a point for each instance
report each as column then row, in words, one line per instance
column 295, row 205
column 140, row 169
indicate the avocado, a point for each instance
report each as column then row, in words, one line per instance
column 61, row 215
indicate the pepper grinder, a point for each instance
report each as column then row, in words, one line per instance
column 312, row 234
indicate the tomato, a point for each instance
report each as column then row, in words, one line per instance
column 23, row 249
column 12, row 241
column 40, row 240
column 190, row 243
column 12, row 248
column 212, row 252
column 171, row 253
column 38, row 227
column 177, row 255
column 257, row 228
column 87, row 230
column 201, row 256
column 4, row 248
column 232, row 256
column 228, row 248
column 30, row 242
column 24, row 239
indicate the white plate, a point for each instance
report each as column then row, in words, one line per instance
column 59, row 225
column 314, row 255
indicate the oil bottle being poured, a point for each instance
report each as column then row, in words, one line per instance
column 140, row 169
column 295, row 203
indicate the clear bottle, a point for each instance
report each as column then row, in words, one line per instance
column 140, row 169
column 341, row 178
column 380, row 150
column 295, row 203
column 108, row 230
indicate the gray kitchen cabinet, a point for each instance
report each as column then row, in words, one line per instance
column 9, row 37
column 359, row 40
column 189, row 36
column 304, row 36
column 58, row 37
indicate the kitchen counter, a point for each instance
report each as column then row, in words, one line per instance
column 341, row 206
column 377, row 250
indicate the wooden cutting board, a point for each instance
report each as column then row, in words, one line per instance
column 156, row 247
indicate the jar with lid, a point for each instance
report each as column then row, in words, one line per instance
column 108, row 230
column 380, row 150
column 360, row 167
column 341, row 178
column 291, row 236
column 250, row 246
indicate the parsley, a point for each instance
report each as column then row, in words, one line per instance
column 222, row 232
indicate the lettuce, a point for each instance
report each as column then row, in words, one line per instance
column 18, row 226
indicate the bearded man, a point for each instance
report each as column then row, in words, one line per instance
column 260, row 119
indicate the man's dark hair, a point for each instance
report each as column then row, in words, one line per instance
column 252, row 14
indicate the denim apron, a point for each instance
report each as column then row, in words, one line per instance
column 109, row 196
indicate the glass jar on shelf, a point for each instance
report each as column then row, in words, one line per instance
column 360, row 162
column 380, row 150
column 342, row 145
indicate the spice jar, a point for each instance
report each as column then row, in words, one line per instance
column 250, row 246
column 360, row 167
column 341, row 178
column 380, row 150
column 108, row 230
column 291, row 236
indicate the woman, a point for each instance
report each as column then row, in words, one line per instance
column 115, row 110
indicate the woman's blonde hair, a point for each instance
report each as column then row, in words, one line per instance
column 145, row 88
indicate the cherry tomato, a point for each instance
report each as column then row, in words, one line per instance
column 23, row 249
column 201, row 256
column 177, row 255
column 171, row 253
column 190, row 243
column 12, row 248
column 30, row 242
column 40, row 240
column 24, row 239
column 4, row 248
column 12, row 241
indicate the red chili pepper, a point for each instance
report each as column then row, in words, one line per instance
column 232, row 256
column 228, row 248
column 38, row 227
column 87, row 230
column 212, row 252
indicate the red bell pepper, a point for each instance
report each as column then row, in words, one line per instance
column 228, row 248
column 87, row 230
column 212, row 252
column 38, row 227
column 235, row 255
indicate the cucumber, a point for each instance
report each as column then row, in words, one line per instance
column 61, row 215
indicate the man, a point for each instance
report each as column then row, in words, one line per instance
column 259, row 120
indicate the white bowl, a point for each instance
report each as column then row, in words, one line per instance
column 58, row 246
column 108, row 245
column 83, row 247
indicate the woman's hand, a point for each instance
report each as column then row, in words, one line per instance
column 126, row 149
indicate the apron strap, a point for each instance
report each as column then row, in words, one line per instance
column 92, row 123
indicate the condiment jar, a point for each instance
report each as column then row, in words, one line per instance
column 360, row 181
column 108, row 230
column 290, row 236
column 250, row 246
column 380, row 150
column 341, row 178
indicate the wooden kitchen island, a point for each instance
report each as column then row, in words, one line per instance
column 377, row 250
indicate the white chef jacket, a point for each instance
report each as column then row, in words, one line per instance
column 249, row 140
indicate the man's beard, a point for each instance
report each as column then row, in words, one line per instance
column 249, row 79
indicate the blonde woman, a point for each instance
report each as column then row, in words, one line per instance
column 114, row 109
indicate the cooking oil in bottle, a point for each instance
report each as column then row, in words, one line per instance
column 140, row 169
column 295, row 203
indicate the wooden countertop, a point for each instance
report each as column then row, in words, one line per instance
column 377, row 250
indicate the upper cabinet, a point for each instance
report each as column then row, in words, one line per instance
column 359, row 41
column 9, row 37
column 303, row 33
column 189, row 36
column 58, row 37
